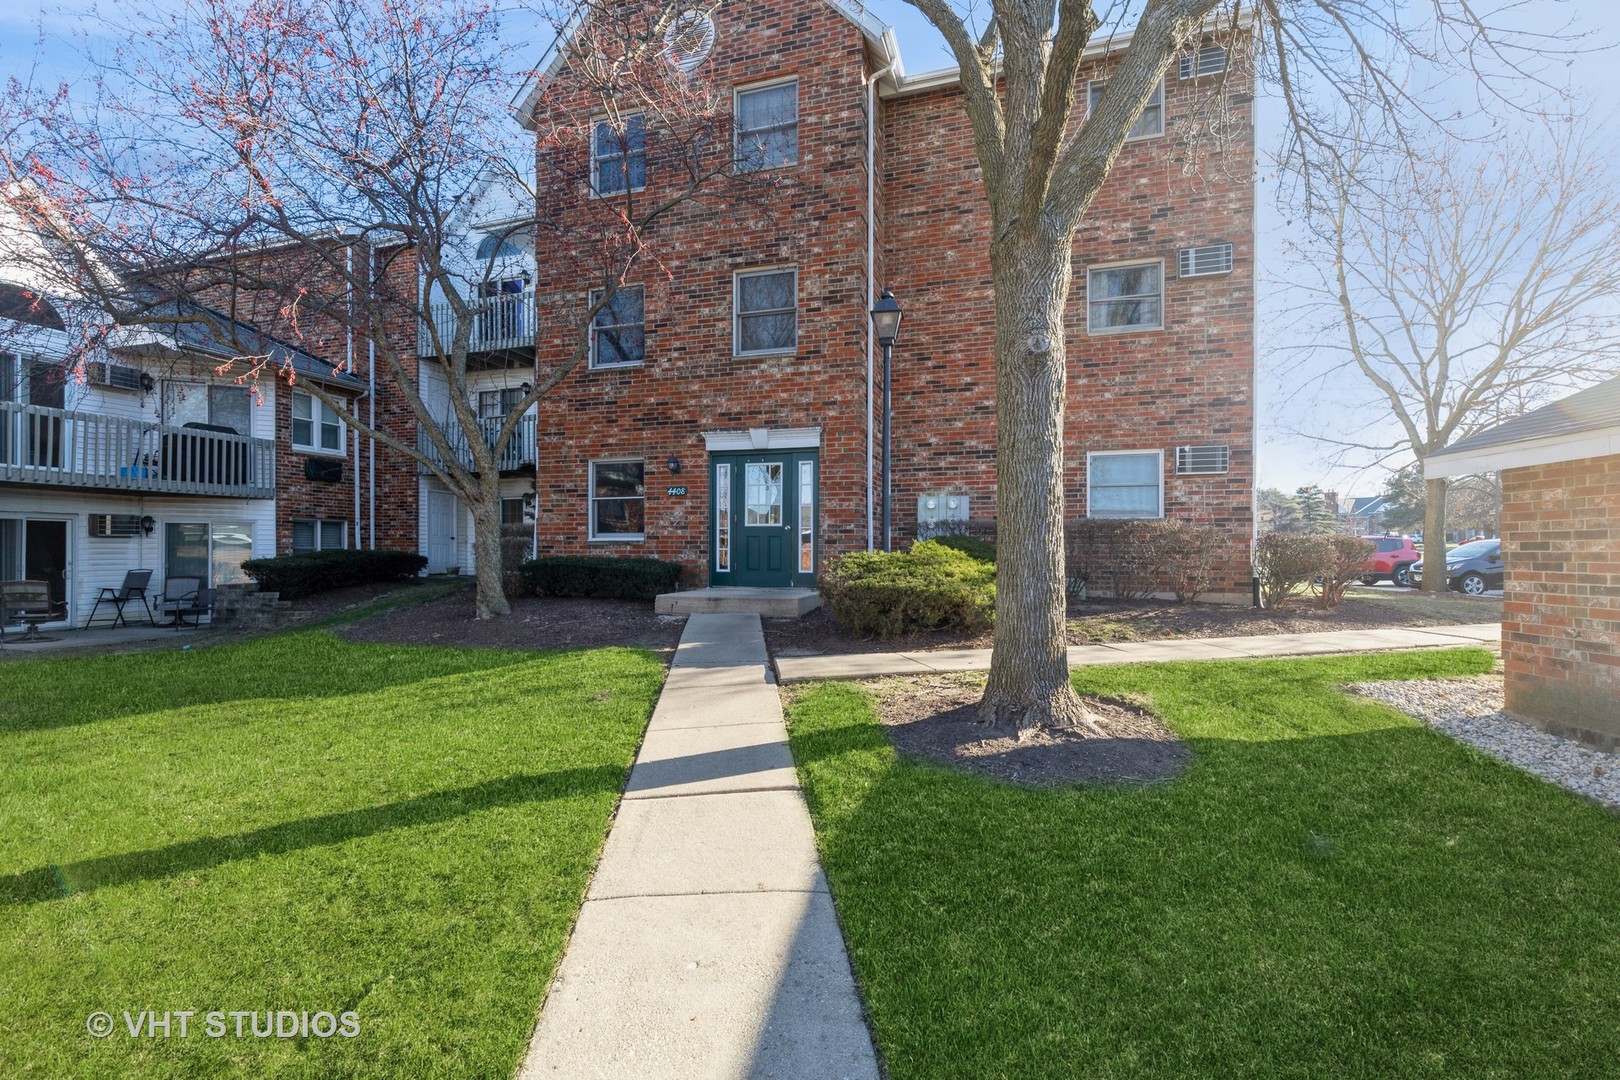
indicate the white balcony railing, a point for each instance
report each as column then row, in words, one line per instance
column 519, row 452
column 88, row 450
column 506, row 323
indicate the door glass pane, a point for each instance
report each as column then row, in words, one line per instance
column 185, row 551
column 185, row 403
column 807, row 517
column 45, row 558
column 229, row 406
column 722, row 518
column 763, row 497
column 233, row 546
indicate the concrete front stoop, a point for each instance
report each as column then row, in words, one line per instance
column 733, row 600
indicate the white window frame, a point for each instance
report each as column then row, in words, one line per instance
column 737, row 94
column 1124, row 265
column 321, row 416
column 593, row 363
column 1129, row 138
column 737, row 311
column 596, row 159
column 591, row 500
column 320, row 528
column 1158, row 456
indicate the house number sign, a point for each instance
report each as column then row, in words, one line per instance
column 677, row 489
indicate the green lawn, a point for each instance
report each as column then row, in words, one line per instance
column 300, row 823
column 1331, row 890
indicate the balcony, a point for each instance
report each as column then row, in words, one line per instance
column 502, row 333
column 517, row 457
column 57, row 448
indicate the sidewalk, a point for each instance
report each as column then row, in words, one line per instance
column 708, row 945
column 867, row 665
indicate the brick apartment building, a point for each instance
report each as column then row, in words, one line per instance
column 729, row 415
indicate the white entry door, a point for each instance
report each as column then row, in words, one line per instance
column 443, row 516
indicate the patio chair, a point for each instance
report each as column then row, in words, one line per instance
column 179, row 593
column 133, row 588
column 26, row 602
column 201, row 603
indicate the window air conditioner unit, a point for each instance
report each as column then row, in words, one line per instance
column 1210, row 60
column 1202, row 460
column 115, row 526
column 1206, row 261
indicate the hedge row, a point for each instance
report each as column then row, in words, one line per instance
column 307, row 572
column 1289, row 563
column 931, row 587
column 599, row 575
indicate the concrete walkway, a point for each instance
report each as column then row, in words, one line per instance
column 708, row 945
column 866, row 665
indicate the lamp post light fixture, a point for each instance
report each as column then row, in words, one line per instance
column 886, row 327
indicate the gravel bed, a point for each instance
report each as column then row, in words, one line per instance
column 1470, row 710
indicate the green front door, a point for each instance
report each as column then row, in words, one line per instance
column 762, row 519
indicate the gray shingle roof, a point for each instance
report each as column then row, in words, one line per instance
column 204, row 329
column 1592, row 409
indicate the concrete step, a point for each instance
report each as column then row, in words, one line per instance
column 766, row 603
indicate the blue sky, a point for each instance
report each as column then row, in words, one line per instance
column 35, row 44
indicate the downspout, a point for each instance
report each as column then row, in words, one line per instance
column 871, row 271
column 371, row 398
column 348, row 361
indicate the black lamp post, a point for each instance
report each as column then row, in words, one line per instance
column 886, row 326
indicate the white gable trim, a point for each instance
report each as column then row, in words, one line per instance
column 1547, row 451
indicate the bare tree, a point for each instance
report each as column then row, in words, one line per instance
column 1479, row 281
column 306, row 167
column 1018, row 62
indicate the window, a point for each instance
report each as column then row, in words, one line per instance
column 767, row 312
column 495, row 246
column 206, row 403
column 512, row 511
column 768, row 127
column 619, row 158
column 618, row 330
column 618, row 500
column 1149, row 124
column 319, row 535
column 497, row 404
column 1125, row 297
column 315, row 425
column 1125, row 484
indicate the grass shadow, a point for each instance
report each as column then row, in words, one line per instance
column 69, row 879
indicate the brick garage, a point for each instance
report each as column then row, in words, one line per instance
column 1560, row 469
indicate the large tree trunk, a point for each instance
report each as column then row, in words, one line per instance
column 1434, row 535
column 486, row 515
column 1029, row 669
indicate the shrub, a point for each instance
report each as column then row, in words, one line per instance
column 308, row 572
column 600, row 575
column 1188, row 555
column 1346, row 557
column 1127, row 559
column 931, row 587
column 1287, row 562
column 971, row 546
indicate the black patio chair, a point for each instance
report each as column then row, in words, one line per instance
column 201, row 603
column 133, row 588
column 179, row 594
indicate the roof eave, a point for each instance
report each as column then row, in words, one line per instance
column 1523, row 453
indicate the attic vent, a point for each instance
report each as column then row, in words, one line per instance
column 688, row 40
column 1200, row 460
column 1210, row 60
column 1206, row 260
column 117, row 526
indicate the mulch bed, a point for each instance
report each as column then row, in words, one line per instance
column 535, row 623
column 1099, row 622
column 935, row 718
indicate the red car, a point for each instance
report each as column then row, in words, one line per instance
column 1394, row 557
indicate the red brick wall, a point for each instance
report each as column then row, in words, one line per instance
column 1561, row 613
column 1189, row 384
column 690, row 382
